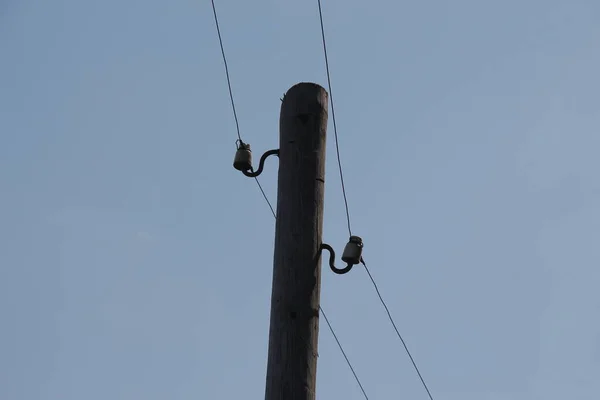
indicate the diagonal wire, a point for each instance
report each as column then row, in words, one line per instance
column 346, row 201
column 265, row 197
column 237, row 124
column 344, row 353
column 397, row 331
column 337, row 147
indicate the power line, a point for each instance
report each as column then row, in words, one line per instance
column 344, row 353
column 397, row 331
column 237, row 124
column 267, row 199
column 337, row 147
column 346, row 201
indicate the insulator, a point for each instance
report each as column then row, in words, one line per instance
column 353, row 250
column 243, row 158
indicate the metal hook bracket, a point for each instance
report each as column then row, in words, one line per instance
column 339, row 271
column 261, row 164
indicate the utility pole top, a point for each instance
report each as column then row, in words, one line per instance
column 305, row 98
column 295, row 298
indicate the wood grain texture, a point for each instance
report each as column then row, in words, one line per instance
column 295, row 298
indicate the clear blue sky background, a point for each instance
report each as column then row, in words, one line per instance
column 135, row 262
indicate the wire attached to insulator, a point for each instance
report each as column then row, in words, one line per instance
column 352, row 255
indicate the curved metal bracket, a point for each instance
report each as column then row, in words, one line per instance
column 340, row 271
column 261, row 164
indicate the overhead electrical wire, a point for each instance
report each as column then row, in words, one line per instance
column 237, row 124
column 337, row 146
column 267, row 199
column 412, row 360
column 344, row 354
column 346, row 202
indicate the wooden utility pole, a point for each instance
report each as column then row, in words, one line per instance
column 295, row 298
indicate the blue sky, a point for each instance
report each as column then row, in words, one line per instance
column 135, row 262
